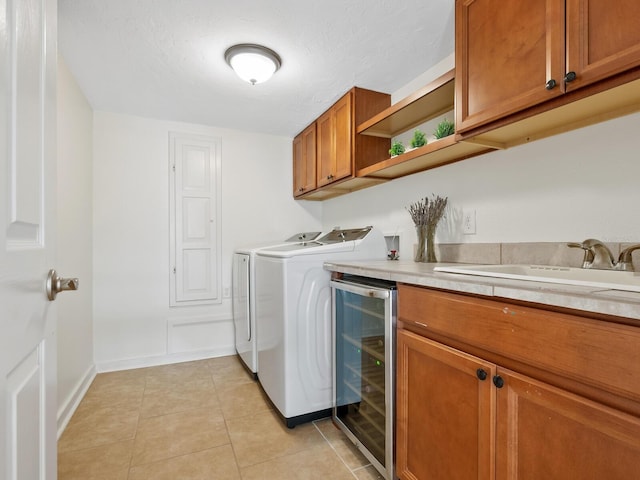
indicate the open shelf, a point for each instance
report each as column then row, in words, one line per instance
column 431, row 101
column 435, row 98
column 434, row 154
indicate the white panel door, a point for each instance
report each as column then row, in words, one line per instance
column 195, row 219
column 27, row 228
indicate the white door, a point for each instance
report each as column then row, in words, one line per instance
column 27, row 228
column 195, row 220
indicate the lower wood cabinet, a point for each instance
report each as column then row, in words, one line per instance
column 546, row 432
column 462, row 416
column 445, row 423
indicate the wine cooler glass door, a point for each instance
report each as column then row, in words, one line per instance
column 363, row 367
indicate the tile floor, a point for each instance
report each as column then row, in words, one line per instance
column 196, row 421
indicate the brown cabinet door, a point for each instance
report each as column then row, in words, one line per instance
column 343, row 137
column 335, row 133
column 445, row 415
column 325, row 147
column 298, row 166
column 545, row 432
column 309, row 153
column 304, row 161
column 506, row 52
column 603, row 38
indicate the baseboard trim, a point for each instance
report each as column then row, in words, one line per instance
column 68, row 408
column 156, row 360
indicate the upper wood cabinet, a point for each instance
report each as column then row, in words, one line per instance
column 339, row 148
column 511, row 56
column 603, row 39
column 505, row 53
column 335, row 142
column 304, row 161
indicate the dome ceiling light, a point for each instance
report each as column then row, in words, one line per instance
column 253, row 63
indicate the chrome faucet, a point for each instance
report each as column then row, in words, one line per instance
column 625, row 261
column 597, row 255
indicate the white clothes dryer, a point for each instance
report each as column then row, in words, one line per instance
column 243, row 297
column 293, row 319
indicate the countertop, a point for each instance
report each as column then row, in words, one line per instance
column 588, row 299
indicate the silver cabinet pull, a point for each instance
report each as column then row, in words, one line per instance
column 56, row 284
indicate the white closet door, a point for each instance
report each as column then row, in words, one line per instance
column 195, row 219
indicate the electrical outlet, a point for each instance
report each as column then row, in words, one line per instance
column 469, row 222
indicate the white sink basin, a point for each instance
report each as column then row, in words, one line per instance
column 606, row 279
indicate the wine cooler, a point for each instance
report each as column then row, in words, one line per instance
column 364, row 316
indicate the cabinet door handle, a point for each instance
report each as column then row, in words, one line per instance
column 329, row 177
column 481, row 374
column 551, row 84
column 570, row 77
column 498, row 381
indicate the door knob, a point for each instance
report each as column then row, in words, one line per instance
column 56, row 284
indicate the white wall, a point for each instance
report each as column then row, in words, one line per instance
column 569, row 187
column 133, row 324
column 74, row 240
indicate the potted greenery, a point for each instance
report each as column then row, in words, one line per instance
column 444, row 129
column 419, row 139
column 397, row 148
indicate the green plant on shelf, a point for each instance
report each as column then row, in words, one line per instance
column 444, row 129
column 397, row 148
column 419, row 139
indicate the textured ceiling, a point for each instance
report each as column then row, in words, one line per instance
column 164, row 58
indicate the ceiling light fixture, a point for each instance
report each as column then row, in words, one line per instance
column 253, row 63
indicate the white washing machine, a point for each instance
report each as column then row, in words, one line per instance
column 243, row 296
column 293, row 318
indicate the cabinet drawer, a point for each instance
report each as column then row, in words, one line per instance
column 597, row 353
